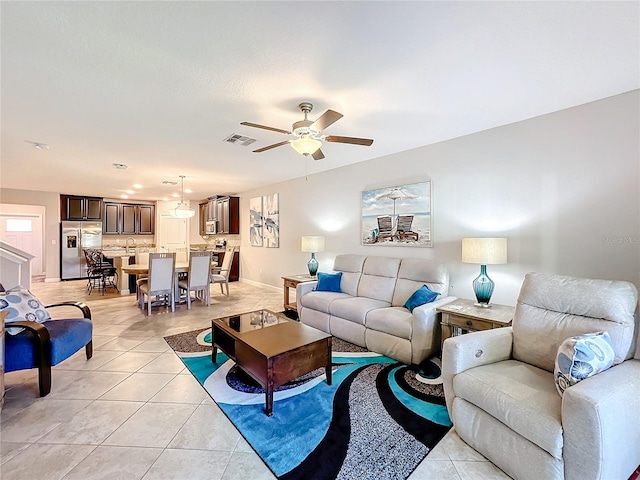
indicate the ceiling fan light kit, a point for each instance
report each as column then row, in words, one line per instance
column 309, row 139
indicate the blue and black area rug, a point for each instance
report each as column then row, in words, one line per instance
column 378, row 420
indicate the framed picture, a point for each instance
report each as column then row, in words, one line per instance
column 255, row 221
column 271, row 223
column 398, row 216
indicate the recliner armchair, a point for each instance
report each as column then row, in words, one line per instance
column 43, row 345
column 501, row 395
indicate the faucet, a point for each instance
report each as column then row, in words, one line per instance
column 133, row 241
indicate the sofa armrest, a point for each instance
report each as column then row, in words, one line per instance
column 425, row 332
column 601, row 424
column 302, row 289
column 83, row 307
column 473, row 350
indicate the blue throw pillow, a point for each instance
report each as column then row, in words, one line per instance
column 421, row 296
column 329, row 282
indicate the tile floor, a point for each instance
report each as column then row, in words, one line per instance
column 134, row 412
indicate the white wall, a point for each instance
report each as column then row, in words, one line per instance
column 564, row 188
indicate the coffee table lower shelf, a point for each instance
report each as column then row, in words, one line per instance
column 274, row 354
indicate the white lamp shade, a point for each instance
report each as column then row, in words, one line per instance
column 312, row 244
column 484, row 251
column 306, row 145
column 183, row 211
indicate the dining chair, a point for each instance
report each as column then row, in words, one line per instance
column 221, row 274
column 100, row 273
column 198, row 279
column 160, row 281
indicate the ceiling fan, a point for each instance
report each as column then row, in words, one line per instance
column 308, row 133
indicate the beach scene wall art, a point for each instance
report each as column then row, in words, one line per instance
column 398, row 216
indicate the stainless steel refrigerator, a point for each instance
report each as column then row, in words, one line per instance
column 74, row 236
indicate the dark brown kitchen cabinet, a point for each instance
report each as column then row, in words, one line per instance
column 202, row 216
column 75, row 207
column 111, row 220
column 228, row 210
column 128, row 219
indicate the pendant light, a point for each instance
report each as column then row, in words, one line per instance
column 183, row 210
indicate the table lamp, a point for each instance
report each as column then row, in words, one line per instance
column 485, row 251
column 313, row 244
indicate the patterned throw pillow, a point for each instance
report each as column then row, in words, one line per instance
column 21, row 305
column 582, row 357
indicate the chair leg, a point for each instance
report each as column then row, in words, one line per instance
column 89, row 349
column 44, row 378
column 188, row 299
column 227, row 284
column 149, row 305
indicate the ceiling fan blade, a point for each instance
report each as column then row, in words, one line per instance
column 317, row 155
column 327, row 118
column 269, row 147
column 273, row 129
column 355, row 141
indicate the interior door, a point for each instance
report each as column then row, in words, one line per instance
column 173, row 234
column 24, row 231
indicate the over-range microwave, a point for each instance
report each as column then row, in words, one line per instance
column 211, row 227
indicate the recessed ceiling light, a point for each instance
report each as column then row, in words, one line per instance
column 120, row 166
column 188, row 190
column 124, row 196
column 137, row 185
column 165, row 199
column 130, row 192
column 176, row 195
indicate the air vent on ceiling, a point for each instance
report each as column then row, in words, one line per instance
column 239, row 139
column 169, row 182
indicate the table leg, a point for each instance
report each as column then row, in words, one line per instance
column 269, row 390
column 214, row 353
column 328, row 369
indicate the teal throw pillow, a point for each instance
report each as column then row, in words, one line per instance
column 582, row 357
column 21, row 305
column 329, row 282
column 421, row 296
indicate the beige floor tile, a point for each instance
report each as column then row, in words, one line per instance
column 109, row 463
column 438, row 453
column 164, row 363
column 207, row 429
column 139, row 387
column 154, row 425
column 247, row 466
column 49, row 462
column 182, row 389
column 8, row 450
column 129, row 362
column 479, row 471
column 435, row 470
column 189, row 464
column 93, row 424
column 243, row 446
column 121, row 344
column 100, row 340
column 39, row 419
column 153, row 345
column 91, row 385
column 79, row 360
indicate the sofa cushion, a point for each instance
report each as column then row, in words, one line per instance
column 519, row 395
column 355, row 309
column 321, row 301
column 329, row 282
column 581, row 357
column 415, row 272
column 351, row 268
column 22, row 305
column 378, row 279
column 396, row 321
column 552, row 308
column 421, row 296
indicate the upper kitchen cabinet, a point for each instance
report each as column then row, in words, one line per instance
column 74, row 207
column 129, row 218
column 228, row 215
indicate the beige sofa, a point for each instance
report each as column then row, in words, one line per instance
column 369, row 310
column 501, row 395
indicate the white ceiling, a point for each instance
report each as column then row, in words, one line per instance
column 158, row 85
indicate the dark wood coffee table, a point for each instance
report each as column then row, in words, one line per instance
column 270, row 348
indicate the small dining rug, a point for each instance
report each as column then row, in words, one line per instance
column 378, row 420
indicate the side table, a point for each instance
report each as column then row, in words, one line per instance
column 291, row 281
column 462, row 316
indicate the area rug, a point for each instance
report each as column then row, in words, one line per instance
column 378, row 420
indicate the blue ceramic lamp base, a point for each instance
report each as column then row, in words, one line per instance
column 313, row 265
column 483, row 288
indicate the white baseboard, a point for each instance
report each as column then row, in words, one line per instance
column 52, row 280
column 259, row 284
